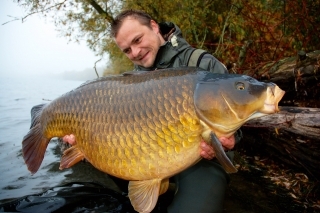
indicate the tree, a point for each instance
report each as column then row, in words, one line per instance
column 265, row 30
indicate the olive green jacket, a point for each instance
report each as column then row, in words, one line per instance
column 176, row 52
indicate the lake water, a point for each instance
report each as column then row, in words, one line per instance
column 17, row 97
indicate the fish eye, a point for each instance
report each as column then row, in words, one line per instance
column 240, row 86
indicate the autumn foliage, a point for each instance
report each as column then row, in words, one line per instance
column 244, row 34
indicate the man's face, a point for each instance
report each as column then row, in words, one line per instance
column 140, row 43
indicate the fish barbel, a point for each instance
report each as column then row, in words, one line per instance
column 148, row 127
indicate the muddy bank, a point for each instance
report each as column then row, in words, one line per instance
column 263, row 184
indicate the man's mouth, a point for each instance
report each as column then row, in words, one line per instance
column 143, row 57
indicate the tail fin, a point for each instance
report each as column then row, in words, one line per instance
column 34, row 144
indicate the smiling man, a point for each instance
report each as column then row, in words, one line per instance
column 151, row 46
column 139, row 42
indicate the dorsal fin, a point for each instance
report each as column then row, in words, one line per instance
column 134, row 73
column 144, row 194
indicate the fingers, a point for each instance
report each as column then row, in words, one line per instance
column 228, row 143
column 65, row 138
column 70, row 139
column 206, row 151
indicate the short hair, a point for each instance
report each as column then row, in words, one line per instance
column 143, row 17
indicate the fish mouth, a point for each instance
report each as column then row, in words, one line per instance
column 274, row 95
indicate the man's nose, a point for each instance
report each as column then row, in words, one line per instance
column 135, row 52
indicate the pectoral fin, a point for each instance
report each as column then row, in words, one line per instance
column 70, row 157
column 144, row 194
column 221, row 155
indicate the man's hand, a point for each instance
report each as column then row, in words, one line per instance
column 70, row 139
column 207, row 151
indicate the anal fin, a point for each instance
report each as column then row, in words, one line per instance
column 144, row 194
column 164, row 186
column 70, row 157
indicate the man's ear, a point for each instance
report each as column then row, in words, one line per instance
column 154, row 26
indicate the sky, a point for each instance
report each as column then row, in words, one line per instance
column 34, row 47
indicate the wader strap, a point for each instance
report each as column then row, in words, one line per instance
column 195, row 57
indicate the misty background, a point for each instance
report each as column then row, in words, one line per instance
column 34, row 48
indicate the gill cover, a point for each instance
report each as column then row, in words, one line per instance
column 225, row 108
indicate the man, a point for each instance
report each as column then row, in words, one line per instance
column 151, row 46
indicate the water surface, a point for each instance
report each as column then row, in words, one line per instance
column 17, row 96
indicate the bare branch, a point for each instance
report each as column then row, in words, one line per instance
column 96, row 6
column 44, row 10
column 15, row 19
column 41, row 11
column 226, row 23
column 95, row 67
column 94, row 42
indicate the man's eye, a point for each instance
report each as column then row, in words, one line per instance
column 138, row 40
column 126, row 51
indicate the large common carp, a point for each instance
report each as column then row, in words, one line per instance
column 148, row 127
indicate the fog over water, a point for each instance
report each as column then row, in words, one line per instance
column 34, row 47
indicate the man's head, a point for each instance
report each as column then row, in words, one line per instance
column 138, row 36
